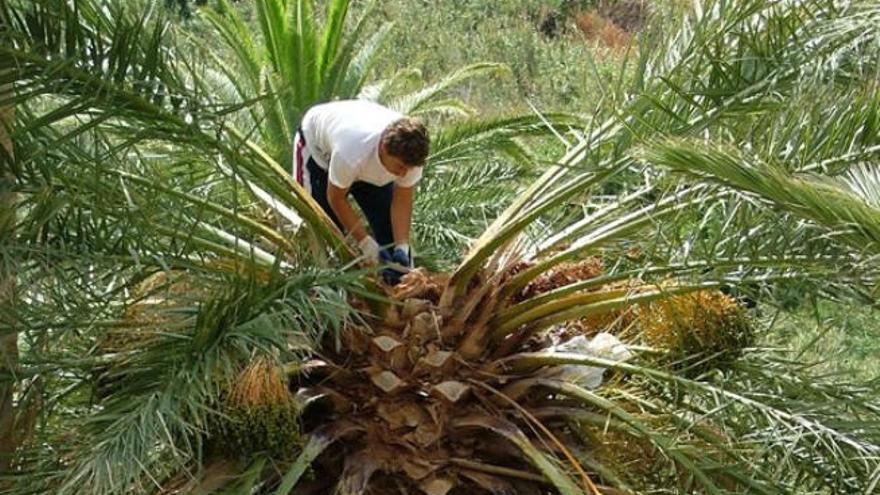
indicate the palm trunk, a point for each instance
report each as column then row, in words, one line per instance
column 8, row 333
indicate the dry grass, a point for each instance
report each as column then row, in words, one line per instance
column 603, row 31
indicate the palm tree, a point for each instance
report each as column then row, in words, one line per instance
column 8, row 338
column 176, row 329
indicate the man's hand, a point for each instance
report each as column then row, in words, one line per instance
column 369, row 249
column 401, row 262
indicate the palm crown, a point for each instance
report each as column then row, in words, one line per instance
column 185, row 344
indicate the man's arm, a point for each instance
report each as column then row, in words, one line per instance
column 401, row 213
column 337, row 197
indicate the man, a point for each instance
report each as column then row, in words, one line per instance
column 376, row 155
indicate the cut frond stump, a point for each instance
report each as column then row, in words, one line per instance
column 420, row 284
column 421, row 404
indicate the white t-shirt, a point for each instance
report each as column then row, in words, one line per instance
column 343, row 138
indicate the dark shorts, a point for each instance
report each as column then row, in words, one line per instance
column 374, row 201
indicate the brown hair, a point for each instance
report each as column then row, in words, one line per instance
column 407, row 138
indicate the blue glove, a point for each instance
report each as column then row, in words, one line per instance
column 385, row 256
column 398, row 256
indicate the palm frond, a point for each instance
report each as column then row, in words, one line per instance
column 167, row 388
column 420, row 101
column 847, row 216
